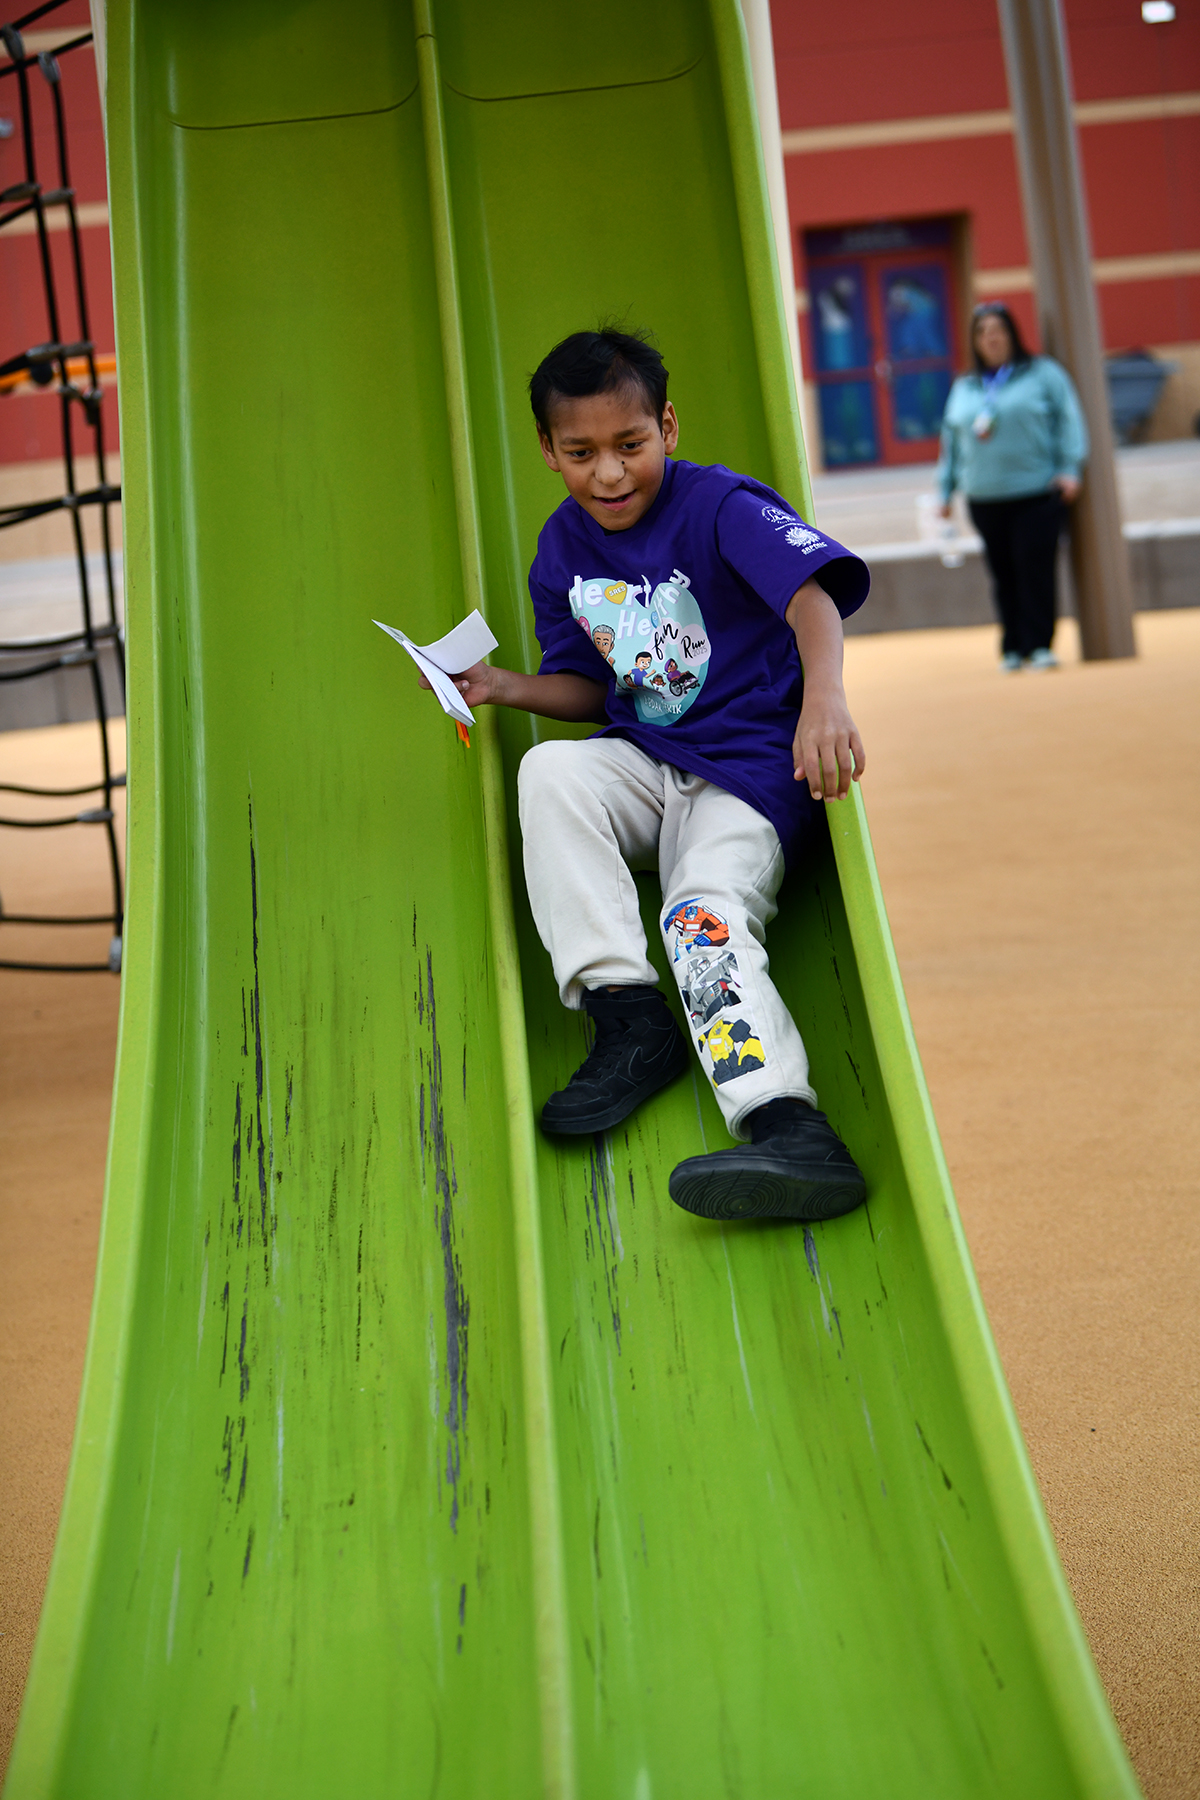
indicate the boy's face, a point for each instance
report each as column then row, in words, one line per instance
column 611, row 453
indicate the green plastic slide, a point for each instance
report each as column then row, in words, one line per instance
column 419, row 1456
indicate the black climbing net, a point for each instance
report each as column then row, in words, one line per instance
column 69, row 364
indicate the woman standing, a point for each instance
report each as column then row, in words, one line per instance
column 1014, row 440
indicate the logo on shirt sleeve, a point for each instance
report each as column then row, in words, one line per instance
column 794, row 530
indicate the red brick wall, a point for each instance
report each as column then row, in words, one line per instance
column 29, row 422
column 866, row 60
column 863, row 60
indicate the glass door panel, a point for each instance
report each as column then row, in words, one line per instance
column 840, row 327
column 917, row 368
column 843, row 340
column 848, row 423
column 916, row 315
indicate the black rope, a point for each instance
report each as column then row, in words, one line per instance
column 21, row 60
column 23, row 646
column 47, row 364
column 48, row 668
column 109, row 968
column 39, row 12
column 99, row 815
column 102, row 496
column 94, row 787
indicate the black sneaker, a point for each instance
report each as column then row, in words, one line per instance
column 795, row 1167
column 638, row 1049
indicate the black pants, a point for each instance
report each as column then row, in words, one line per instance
column 1020, row 540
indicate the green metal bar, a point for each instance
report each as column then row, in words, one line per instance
column 1096, row 1745
column 545, row 1502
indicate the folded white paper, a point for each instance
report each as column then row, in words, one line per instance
column 460, row 649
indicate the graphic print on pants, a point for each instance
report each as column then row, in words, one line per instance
column 707, row 972
column 653, row 640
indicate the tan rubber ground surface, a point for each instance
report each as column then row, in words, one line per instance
column 57, row 1041
column 1039, row 845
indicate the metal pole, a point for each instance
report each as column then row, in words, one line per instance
column 1039, row 85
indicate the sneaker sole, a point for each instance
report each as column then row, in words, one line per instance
column 588, row 1126
column 762, row 1189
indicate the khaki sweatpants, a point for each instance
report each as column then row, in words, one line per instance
column 591, row 812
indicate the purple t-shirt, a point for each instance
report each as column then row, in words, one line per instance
column 683, row 615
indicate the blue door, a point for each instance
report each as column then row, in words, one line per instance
column 883, row 339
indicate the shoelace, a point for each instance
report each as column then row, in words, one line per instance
column 603, row 1055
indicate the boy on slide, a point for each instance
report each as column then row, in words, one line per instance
column 691, row 614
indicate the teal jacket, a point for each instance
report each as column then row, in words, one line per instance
column 1038, row 432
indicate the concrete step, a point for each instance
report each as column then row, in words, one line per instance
column 915, row 586
column 40, row 599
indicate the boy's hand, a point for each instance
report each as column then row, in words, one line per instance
column 572, row 698
column 480, row 685
column 827, row 751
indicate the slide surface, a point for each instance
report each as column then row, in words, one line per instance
column 418, row 1455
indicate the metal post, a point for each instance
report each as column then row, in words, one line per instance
column 1039, row 86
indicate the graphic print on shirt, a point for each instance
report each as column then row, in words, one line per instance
column 710, row 985
column 653, row 638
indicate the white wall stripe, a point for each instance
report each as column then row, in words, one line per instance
column 92, row 212
column 1105, row 269
column 939, row 126
column 37, row 41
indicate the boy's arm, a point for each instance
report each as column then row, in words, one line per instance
column 827, row 751
column 571, row 698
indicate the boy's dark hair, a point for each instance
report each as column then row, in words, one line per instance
column 996, row 309
column 598, row 362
